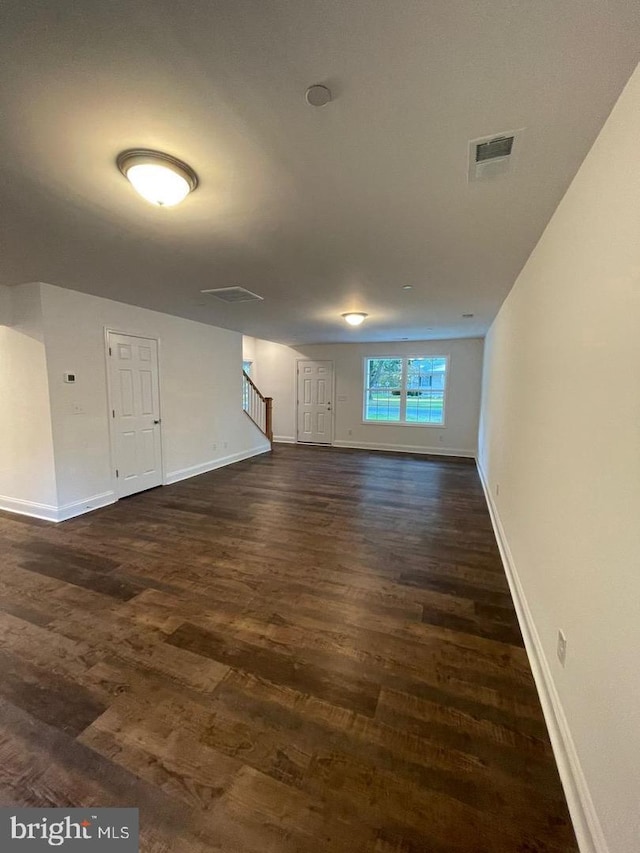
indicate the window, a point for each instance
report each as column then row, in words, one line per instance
column 246, row 368
column 405, row 390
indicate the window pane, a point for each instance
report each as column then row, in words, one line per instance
column 382, row 404
column 384, row 372
column 426, row 372
column 425, row 407
column 439, row 373
column 382, row 391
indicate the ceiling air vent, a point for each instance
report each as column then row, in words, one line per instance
column 233, row 294
column 500, row 147
column 492, row 156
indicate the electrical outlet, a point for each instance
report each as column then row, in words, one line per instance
column 349, row 432
column 441, row 438
column 497, row 489
column 225, row 444
column 562, row 647
column 214, row 446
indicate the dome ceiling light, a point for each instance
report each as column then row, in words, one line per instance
column 159, row 178
column 355, row 318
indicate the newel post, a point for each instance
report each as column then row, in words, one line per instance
column 268, row 422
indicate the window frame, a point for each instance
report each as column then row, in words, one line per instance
column 403, row 390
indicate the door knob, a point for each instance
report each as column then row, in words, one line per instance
column 157, row 422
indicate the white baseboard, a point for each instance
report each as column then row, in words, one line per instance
column 31, row 508
column 585, row 820
column 406, row 448
column 284, row 439
column 49, row 512
column 86, row 505
column 211, row 465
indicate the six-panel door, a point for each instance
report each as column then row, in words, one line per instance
column 135, row 411
column 315, row 409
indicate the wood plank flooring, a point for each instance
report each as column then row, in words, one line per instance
column 314, row 650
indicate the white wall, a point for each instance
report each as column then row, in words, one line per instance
column 27, row 473
column 560, row 436
column 200, row 393
column 249, row 350
column 276, row 371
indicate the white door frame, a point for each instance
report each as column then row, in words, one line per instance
column 333, row 397
column 110, row 407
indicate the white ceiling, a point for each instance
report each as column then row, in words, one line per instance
column 318, row 210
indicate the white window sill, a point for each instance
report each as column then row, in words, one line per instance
column 402, row 424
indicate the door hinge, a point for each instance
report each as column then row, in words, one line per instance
column 117, row 473
column 109, row 350
column 113, row 413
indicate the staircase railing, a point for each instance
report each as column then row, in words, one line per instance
column 257, row 407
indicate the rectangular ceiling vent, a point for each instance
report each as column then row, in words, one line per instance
column 492, row 156
column 233, row 294
column 500, row 147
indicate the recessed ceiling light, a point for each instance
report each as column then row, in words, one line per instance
column 407, row 287
column 317, row 95
column 467, row 316
column 404, row 339
column 159, row 178
column 355, row 318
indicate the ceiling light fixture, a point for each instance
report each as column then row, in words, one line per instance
column 407, row 287
column 355, row 318
column 159, row 178
column 467, row 316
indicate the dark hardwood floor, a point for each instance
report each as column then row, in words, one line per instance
column 314, row 650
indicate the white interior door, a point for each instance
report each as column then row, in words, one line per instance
column 315, row 408
column 135, row 411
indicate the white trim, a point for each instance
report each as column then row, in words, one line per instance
column 85, row 505
column 406, row 448
column 411, row 424
column 31, row 508
column 284, row 439
column 212, row 464
column 47, row 512
column 583, row 813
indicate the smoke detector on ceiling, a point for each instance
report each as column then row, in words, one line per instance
column 233, row 294
column 317, row 95
column 491, row 157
